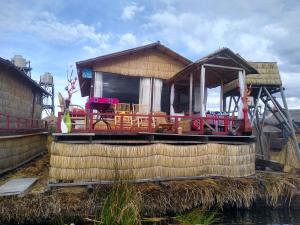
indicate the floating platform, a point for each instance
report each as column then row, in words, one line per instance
column 148, row 138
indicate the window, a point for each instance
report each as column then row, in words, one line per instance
column 125, row 88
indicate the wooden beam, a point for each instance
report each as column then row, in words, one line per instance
column 221, row 95
column 202, row 86
column 291, row 124
column 274, row 103
column 223, row 67
column 256, row 105
column 191, row 95
column 229, row 107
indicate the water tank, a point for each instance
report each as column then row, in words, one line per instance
column 47, row 78
column 19, row 61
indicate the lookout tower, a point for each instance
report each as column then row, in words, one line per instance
column 46, row 82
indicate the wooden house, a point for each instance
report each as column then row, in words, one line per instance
column 135, row 76
column 20, row 95
column 22, row 136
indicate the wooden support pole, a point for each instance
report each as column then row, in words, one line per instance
column 236, row 103
column 191, row 95
column 221, row 95
column 256, row 105
column 230, row 101
column 202, row 87
column 274, row 103
column 172, row 96
column 291, row 124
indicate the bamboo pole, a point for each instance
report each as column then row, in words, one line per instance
column 191, row 95
column 291, row 123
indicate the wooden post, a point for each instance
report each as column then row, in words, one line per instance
column 221, row 95
column 172, row 96
column 291, row 123
column 229, row 106
column 202, row 87
column 191, row 95
column 256, row 105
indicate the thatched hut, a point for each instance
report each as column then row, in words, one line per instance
column 135, row 75
column 21, row 137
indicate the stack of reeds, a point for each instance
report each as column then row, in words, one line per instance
column 287, row 156
column 16, row 150
column 156, row 161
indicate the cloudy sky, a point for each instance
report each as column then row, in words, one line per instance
column 55, row 34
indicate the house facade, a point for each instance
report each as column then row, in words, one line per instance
column 135, row 76
column 20, row 96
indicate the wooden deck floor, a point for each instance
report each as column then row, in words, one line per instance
column 148, row 138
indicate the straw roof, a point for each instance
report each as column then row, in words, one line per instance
column 15, row 71
column 152, row 60
column 221, row 67
column 268, row 75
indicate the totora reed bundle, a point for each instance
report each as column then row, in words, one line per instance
column 158, row 161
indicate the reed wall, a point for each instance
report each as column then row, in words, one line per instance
column 149, row 63
column 17, row 98
column 16, row 150
column 157, row 161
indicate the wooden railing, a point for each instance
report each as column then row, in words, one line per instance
column 117, row 123
column 9, row 123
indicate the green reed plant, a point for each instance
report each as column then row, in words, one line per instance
column 198, row 216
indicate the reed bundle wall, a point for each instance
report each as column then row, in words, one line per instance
column 14, row 151
column 149, row 63
column 17, row 98
column 158, row 161
column 287, row 156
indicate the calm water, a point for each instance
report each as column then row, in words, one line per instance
column 261, row 216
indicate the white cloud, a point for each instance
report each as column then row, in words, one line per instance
column 47, row 27
column 127, row 40
column 130, row 11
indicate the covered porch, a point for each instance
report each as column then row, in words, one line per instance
column 189, row 93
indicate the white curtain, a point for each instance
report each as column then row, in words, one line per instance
column 197, row 99
column 145, row 93
column 205, row 100
column 242, row 86
column 172, row 96
column 157, row 89
column 98, row 85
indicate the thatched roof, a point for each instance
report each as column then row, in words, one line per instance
column 152, row 60
column 268, row 75
column 19, row 74
column 222, row 57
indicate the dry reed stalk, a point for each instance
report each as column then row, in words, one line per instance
column 97, row 161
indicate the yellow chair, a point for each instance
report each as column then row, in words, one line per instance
column 141, row 121
column 123, row 108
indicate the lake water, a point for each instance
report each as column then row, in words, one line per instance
column 260, row 216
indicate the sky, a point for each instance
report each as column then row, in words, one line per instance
column 55, row 34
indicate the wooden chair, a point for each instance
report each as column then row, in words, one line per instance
column 162, row 121
column 141, row 121
column 123, row 108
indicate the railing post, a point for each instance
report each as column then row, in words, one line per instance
column 58, row 128
column 226, row 124
column 7, row 121
column 149, row 122
column 122, row 121
column 176, row 124
column 201, row 125
column 18, row 122
column 90, row 122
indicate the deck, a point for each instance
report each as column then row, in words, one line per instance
column 148, row 138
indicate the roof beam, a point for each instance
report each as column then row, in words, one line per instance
column 223, row 67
